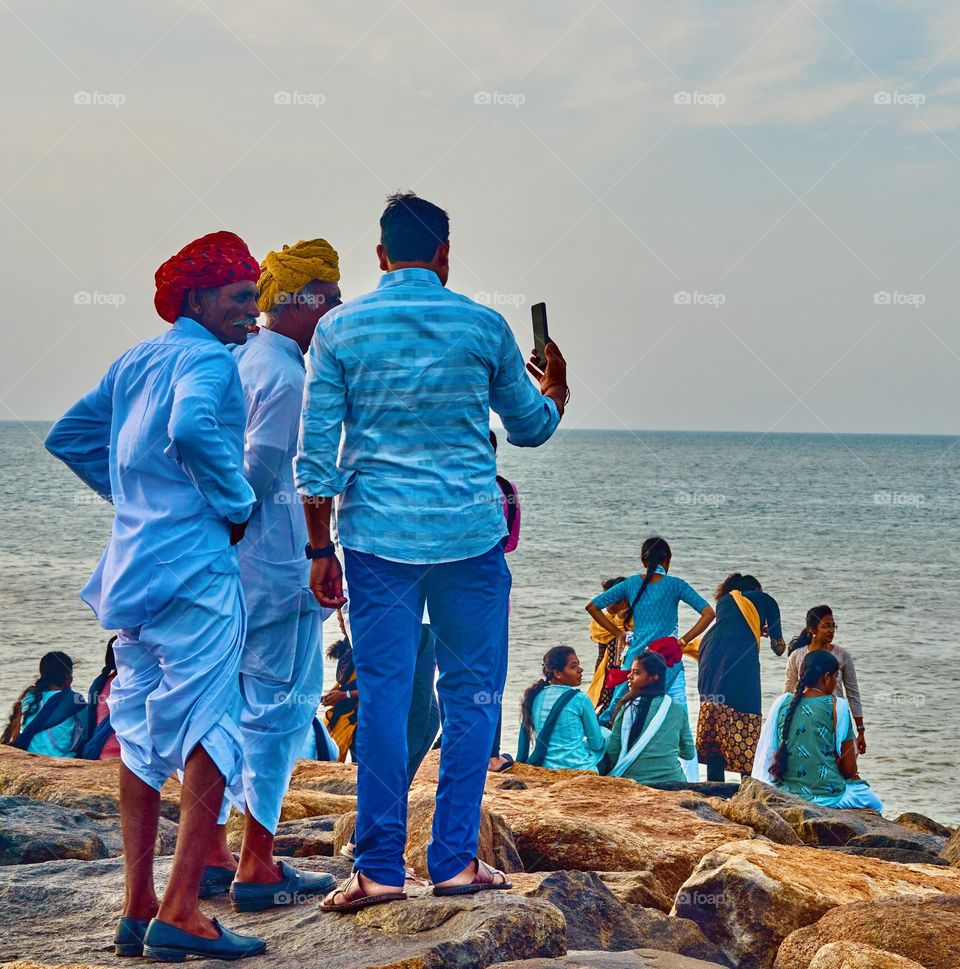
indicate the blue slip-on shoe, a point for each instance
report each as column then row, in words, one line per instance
column 215, row 881
column 167, row 943
column 295, row 886
column 128, row 939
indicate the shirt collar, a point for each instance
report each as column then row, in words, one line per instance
column 284, row 343
column 408, row 276
column 189, row 327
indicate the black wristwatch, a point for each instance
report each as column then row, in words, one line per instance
column 319, row 553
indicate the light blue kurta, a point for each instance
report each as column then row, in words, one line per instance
column 282, row 668
column 410, row 373
column 578, row 741
column 161, row 437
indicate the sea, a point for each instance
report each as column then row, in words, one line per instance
column 869, row 524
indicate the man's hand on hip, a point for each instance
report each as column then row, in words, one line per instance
column 326, row 582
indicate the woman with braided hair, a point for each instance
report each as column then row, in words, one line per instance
column 808, row 745
column 560, row 718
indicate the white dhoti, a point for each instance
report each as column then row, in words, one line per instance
column 177, row 683
column 277, row 714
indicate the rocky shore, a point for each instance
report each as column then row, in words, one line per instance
column 606, row 874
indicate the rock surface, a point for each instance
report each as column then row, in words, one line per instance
column 920, row 822
column 925, row 929
column 748, row 897
column 951, row 850
column 755, row 814
column 853, row 955
column 470, row 931
column 635, row 959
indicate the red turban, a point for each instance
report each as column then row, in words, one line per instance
column 217, row 259
column 669, row 648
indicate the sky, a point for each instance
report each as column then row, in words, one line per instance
column 741, row 217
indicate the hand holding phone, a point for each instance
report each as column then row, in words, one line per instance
column 541, row 336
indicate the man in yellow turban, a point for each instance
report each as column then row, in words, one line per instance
column 281, row 669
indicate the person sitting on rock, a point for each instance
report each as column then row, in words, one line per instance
column 651, row 732
column 101, row 742
column 48, row 717
column 560, row 717
column 807, row 746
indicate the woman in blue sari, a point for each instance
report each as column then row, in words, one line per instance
column 730, row 720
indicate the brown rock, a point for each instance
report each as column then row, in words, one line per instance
column 756, row 815
column 951, row 850
column 748, row 897
column 920, row 822
column 310, row 804
column 853, row 955
column 635, row 959
column 925, row 929
column 495, row 847
column 81, row 901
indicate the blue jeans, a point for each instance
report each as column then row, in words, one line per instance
column 468, row 617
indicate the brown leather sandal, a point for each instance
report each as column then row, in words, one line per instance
column 357, row 902
column 487, row 879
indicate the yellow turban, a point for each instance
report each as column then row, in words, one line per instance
column 293, row 267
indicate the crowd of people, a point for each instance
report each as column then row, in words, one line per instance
column 225, row 445
column 633, row 721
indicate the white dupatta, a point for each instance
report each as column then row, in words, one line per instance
column 770, row 741
column 628, row 756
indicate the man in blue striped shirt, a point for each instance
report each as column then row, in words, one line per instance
column 407, row 375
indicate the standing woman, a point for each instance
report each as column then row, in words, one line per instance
column 731, row 716
column 807, row 747
column 654, row 599
column 559, row 718
column 818, row 634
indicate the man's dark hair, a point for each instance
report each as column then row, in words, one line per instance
column 411, row 228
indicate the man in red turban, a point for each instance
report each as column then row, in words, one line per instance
column 161, row 437
column 206, row 277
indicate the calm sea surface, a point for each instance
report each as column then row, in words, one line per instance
column 868, row 524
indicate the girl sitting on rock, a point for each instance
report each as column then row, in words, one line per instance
column 651, row 731
column 559, row 718
column 807, row 746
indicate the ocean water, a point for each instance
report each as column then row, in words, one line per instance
column 868, row 524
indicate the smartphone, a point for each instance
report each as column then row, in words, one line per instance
column 541, row 336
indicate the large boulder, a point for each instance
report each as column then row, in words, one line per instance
column 920, row 822
column 951, row 850
column 832, row 827
column 925, row 929
column 853, row 955
column 749, row 896
column 755, row 814
column 37, row 831
column 635, row 959
column 80, row 902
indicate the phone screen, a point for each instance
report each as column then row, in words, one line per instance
column 541, row 336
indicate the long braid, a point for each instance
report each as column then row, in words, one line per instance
column 816, row 665
column 554, row 661
column 653, row 553
column 34, row 693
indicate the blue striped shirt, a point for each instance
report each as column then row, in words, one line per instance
column 409, row 373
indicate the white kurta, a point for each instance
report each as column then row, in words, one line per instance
column 282, row 666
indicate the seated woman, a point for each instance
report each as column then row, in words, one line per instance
column 101, row 743
column 49, row 718
column 560, row 717
column 731, row 715
column 651, row 732
column 807, row 745
column 818, row 634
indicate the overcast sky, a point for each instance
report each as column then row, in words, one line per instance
column 739, row 218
